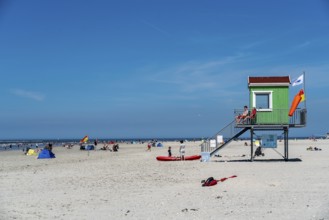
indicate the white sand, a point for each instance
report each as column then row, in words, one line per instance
column 132, row 184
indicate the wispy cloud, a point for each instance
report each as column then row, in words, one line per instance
column 252, row 45
column 28, row 94
column 197, row 76
column 156, row 28
column 305, row 44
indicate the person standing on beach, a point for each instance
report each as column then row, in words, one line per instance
column 182, row 150
column 169, row 151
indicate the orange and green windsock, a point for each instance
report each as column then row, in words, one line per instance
column 300, row 97
column 84, row 139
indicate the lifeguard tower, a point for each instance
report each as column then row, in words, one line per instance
column 269, row 111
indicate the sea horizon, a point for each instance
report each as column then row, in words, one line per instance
column 22, row 143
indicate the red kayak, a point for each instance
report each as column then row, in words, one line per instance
column 166, row 158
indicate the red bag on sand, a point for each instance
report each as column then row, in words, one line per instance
column 211, row 181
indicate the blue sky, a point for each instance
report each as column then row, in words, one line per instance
column 129, row 69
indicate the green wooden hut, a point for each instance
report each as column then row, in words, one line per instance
column 270, row 96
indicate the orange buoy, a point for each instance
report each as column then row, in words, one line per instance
column 294, row 104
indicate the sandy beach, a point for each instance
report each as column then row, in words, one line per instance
column 132, row 184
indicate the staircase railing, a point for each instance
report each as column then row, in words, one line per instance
column 222, row 138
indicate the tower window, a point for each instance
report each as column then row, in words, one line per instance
column 262, row 100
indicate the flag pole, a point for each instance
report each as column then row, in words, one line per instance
column 304, row 89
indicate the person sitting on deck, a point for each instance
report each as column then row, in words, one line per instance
column 251, row 116
column 243, row 115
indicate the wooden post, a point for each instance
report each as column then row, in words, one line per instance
column 286, row 148
column 251, row 144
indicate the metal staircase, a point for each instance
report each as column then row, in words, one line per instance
column 229, row 133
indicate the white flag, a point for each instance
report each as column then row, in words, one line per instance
column 298, row 81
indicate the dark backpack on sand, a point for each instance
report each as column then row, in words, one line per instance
column 258, row 151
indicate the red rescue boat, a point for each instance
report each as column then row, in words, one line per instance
column 166, row 158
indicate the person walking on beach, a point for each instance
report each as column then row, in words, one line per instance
column 182, row 150
column 149, row 147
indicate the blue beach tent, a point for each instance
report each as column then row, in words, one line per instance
column 46, row 154
column 159, row 145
